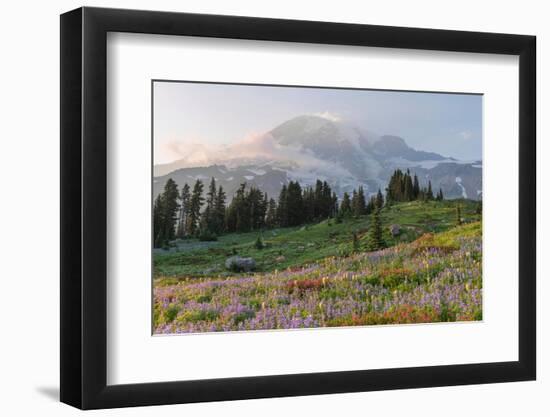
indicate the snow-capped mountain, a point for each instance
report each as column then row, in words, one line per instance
column 311, row 147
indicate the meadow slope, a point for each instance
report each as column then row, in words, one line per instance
column 297, row 246
column 433, row 273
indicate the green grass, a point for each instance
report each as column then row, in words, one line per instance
column 298, row 246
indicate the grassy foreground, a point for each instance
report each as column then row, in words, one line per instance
column 432, row 274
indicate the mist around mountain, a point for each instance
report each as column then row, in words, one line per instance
column 311, row 147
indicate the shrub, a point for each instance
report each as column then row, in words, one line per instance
column 207, row 236
column 170, row 313
column 243, row 316
column 238, row 264
column 204, row 298
column 355, row 242
column 259, row 244
column 198, row 315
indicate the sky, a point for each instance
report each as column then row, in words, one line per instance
column 189, row 114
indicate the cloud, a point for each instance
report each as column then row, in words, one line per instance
column 254, row 149
column 333, row 117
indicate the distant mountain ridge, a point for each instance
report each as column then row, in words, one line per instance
column 308, row 147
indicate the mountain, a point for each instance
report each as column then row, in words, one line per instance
column 395, row 147
column 267, row 179
column 308, row 147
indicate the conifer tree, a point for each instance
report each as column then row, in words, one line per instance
column 358, row 204
column 254, row 203
column 169, row 207
column 333, row 205
column 371, row 205
column 354, row 203
column 408, row 194
column 429, row 193
column 157, row 222
column 219, row 210
column 294, row 203
column 195, row 204
column 271, row 215
column 318, row 196
column 208, row 218
column 355, row 242
column 242, row 212
column 345, row 206
column 327, row 201
column 416, row 187
column 375, row 240
column 310, row 204
column 362, row 203
column 259, row 244
column 282, row 211
column 184, row 210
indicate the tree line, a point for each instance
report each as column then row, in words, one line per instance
column 403, row 187
column 188, row 213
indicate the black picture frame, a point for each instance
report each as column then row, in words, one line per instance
column 84, row 207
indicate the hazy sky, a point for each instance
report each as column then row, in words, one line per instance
column 216, row 114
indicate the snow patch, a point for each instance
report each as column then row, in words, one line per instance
column 257, row 171
column 229, row 179
column 249, row 177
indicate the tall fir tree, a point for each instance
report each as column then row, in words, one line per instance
column 208, row 217
column 256, row 209
column 185, row 196
column 429, row 193
column 345, row 206
column 294, row 203
column 375, row 239
column 310, row 204
column 354, row 203
column 333, row 205
column 242, row 222
column 318, row 196
column 157, row 222
column 195, row 204
column 358, row 203
column 282, row 207
column 416, row 187
column 219, row 210
column 371, row 205
column 408, row 187
column 169, row 212
column 271, row 215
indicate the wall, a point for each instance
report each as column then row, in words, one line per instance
column 29, row 213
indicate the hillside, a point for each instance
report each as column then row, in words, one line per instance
column 303, row 245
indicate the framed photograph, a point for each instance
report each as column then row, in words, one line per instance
column 257, row 208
